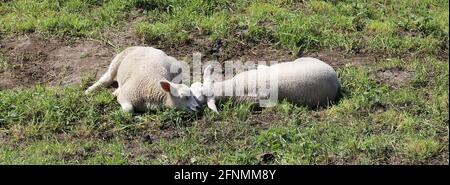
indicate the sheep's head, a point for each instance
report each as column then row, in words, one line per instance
column 203, row 92
column 181, row 95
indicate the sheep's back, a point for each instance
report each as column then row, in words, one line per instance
column 139, row 75
column 307, row 81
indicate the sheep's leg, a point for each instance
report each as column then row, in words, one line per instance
column 110, row 75
column 105, row 80
column 116, row 92
column 125, row 104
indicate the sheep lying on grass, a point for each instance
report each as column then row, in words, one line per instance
column 144, row 75
column 305, row 81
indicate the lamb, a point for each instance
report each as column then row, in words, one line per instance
column 305, row 81
column 143, row 75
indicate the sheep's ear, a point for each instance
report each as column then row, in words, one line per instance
column 207, row 75
column 212, row 105
column 165, row 85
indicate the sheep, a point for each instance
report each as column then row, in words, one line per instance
column 143, row 75
column 305, row 81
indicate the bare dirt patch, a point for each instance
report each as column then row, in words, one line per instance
column 339, row 59
column 394, row 77
column 35, row 59
column 222, row 50
column 136, row 152
column 50, row 61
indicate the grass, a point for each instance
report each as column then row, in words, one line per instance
column 344, row 25
column 64, row 18
column 43, row 125
column 377, row 121
column 391, row 27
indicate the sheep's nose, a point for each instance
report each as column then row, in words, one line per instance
column 197, row 107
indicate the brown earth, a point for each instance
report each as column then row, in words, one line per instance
column 394, row 77
column 54, row 62
column 34, row 59
column 57, row 62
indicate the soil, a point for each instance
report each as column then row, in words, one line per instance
column 34, row 59
column 53, row 62
column 394, row 77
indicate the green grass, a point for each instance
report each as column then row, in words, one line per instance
column 344, row 25
column 64, row 18
column 375, row 122
column 43, row 125
column 375, row 26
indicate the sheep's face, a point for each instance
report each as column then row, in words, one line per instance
column 197, row 90
column 181, row 96
column 203, row 92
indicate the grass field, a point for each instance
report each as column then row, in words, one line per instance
column 391, row 57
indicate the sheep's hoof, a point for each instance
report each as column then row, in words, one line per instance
column 87, row 92
column 116, row 92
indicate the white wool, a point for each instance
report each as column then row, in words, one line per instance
column 305, row 81
column 139, row 72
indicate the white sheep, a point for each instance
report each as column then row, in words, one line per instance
column 305, row 81
column 143, row 75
